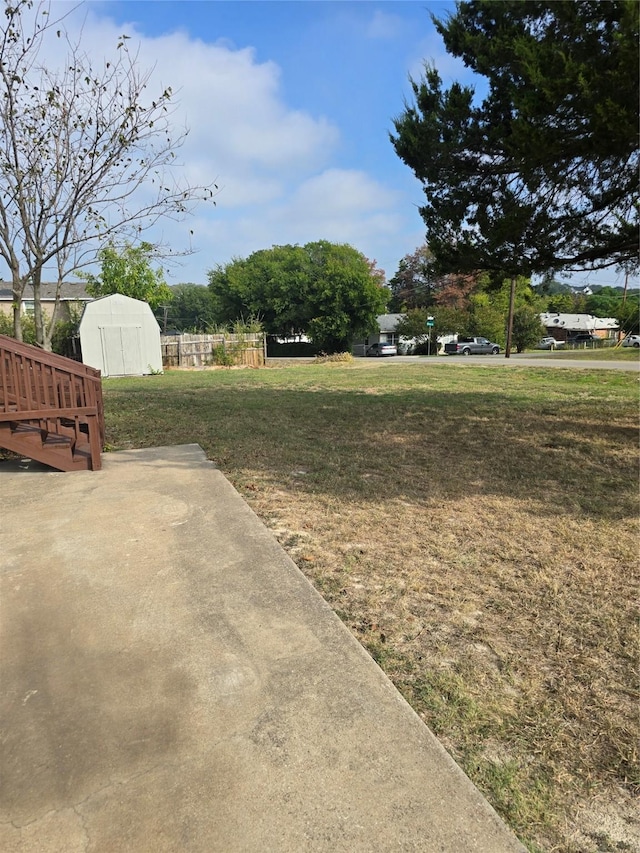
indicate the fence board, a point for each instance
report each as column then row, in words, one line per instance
column 197, row 350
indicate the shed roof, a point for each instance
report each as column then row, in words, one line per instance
column 117, row 304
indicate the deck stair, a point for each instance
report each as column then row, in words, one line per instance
column 50, row 407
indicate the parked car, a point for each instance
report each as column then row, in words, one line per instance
column 631, row 341
column 583, row 338
column 549, row 343
column 472, row 346
column 381, row 348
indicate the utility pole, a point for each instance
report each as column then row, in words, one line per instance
column 512, row 300
column 624, row 299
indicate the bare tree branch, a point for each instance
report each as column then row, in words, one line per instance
column 86, row 154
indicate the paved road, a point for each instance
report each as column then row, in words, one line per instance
column 516, row 360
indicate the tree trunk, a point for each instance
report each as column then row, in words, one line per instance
column 37, row 306
column 48, row 326
column 17, row 289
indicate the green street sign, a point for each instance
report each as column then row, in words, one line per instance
column 430, row 322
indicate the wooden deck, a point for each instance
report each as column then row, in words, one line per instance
column 50, row 407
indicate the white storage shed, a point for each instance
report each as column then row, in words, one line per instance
column 120, row 336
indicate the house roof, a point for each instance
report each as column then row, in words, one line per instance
column 388, row 322
column 69, row 292
column 577, row 322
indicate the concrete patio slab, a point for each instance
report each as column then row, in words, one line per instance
column 170, row 681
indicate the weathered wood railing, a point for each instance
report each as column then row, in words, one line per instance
column 50, row 407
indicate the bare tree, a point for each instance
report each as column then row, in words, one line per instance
column 85, row 155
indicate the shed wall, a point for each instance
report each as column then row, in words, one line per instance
column 121, row 337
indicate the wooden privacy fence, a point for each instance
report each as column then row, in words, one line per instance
column 210, row 350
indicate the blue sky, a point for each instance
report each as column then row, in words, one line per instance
column 289, row 107
column 297, row 139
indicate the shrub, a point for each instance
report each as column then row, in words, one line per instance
column 298, row 349
column 335, row 357
column 224, row 356
column 28, row 327
column 66, row 341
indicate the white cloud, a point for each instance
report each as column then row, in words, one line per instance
column 275, row 166
column 343, row 206
column 340, row 205
column 231, row 103
column 384, row 25
column 341, row 193
column 238, row 192
column 235, row 111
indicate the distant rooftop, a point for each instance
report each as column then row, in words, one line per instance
column 389, row 322
column 577, row 322
column 69, row 292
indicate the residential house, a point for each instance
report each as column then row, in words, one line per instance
column 385, row 334
column 71, row 296
column 560, row 326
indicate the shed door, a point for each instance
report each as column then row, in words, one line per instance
column 121, row 350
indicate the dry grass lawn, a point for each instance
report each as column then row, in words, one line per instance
column 477, row 531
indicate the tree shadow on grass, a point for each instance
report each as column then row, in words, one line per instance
column 415, row 445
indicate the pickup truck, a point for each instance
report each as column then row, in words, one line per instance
column 472, row 346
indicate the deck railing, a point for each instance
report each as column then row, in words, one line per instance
column 59, row 396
